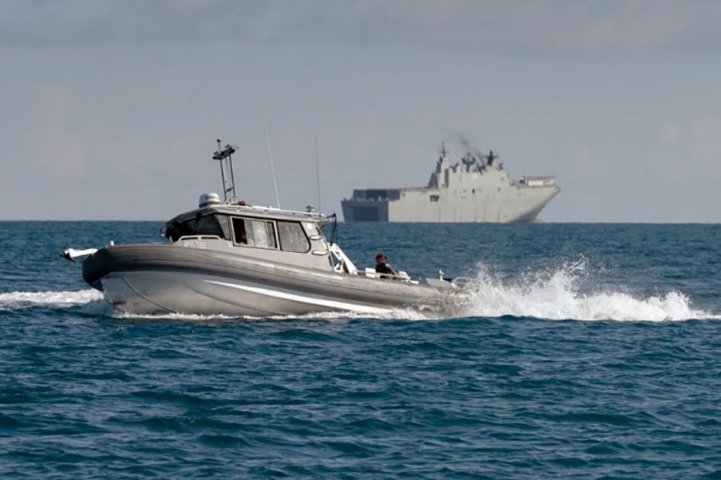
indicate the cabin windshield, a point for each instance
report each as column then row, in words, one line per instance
column 215, row 225
column 311, row 229
column 292, row 237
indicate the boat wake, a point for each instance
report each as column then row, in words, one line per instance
column 564, row 294
column 49, row 299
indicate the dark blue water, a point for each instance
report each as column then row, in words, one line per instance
column 586, row 351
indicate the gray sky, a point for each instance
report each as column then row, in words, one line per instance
column 110, row 109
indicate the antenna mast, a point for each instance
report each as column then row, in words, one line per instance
column 224, row 156
column 272, row 168
column 317, row 174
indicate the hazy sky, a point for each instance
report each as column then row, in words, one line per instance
column 110, row 109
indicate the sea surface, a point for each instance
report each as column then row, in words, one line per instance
column 586, row 351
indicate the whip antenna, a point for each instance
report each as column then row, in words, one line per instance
column 272, row 168
column 317, row 174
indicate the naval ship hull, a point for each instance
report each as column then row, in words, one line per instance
column 162, row 279
column 522, row 204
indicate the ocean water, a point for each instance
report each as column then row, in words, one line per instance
column 585, row 351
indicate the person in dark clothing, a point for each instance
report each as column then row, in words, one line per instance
column 383, row 267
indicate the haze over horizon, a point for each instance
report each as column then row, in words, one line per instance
column 111, row 108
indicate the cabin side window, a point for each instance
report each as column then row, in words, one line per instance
column 254, row 232
column 292, row 237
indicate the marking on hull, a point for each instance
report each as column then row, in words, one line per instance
column 234, row 303
column 256, row 289
column 303, row 299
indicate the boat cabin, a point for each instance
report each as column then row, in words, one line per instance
column 248, row 227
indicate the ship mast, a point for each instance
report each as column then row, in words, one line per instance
column 224, row 156
column 443, row 150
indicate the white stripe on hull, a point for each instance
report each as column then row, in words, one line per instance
column 325, row 304
column 173, row 292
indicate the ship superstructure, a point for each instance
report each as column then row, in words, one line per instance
column 476, row 190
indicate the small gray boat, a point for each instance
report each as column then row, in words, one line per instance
column 231, row 258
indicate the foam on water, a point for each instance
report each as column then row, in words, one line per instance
column 557, row 295
column 59, row 299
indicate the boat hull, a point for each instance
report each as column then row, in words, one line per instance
column 161, row 279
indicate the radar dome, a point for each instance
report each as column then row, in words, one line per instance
column 208, row 199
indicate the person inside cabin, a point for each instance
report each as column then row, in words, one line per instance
column 383, row 267
column 240, row 235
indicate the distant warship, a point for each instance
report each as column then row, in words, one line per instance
column 479, row 191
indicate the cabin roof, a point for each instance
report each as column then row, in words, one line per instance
column 252, row 211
